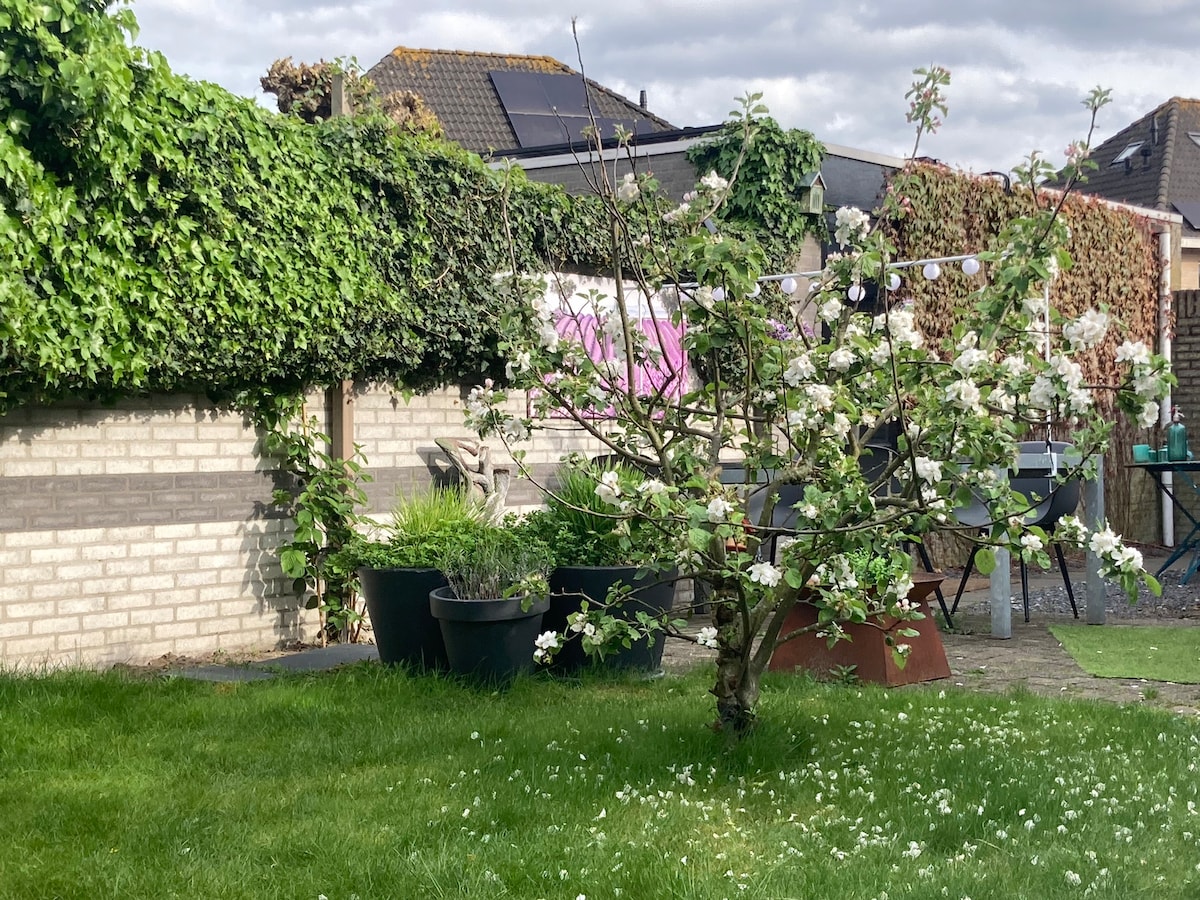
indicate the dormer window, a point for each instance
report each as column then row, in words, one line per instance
column 1127, row 153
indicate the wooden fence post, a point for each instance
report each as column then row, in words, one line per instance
column 339, row 398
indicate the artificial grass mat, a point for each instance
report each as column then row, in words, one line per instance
column 1153, row 652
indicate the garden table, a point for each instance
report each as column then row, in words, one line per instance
column 1191, row 543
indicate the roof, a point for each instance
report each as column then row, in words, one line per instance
column 1154, row 162
column 458, row 86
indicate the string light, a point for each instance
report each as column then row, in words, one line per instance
column 789, row 285
column 718, row 294
column 856, row 293
column 893, row 281
column 970, row 266
column 932, row 271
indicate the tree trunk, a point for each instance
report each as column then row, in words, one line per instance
column 737, row 684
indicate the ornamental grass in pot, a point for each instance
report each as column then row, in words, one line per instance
column 397, row 574
column 600, row 564
column 490, row 613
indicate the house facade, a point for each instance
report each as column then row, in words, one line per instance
column 1154, row 162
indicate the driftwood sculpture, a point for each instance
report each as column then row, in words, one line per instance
column 474, row 463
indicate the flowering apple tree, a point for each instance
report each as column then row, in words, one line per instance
column 803, row 389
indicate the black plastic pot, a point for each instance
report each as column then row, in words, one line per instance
column 653, row 594
column 489, row 641
column 398, row 604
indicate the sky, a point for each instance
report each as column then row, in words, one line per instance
column 1019, row 68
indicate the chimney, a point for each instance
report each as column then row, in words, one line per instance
column 642, row 99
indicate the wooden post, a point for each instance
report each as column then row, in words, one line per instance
column 1093, row 502
column 339, row 398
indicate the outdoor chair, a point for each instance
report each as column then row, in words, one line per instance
column 1036, row 479
column 874, row 461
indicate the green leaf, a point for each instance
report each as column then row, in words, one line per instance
column 985, row 561
column 293, row 562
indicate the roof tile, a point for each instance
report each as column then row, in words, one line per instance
column 455, row 85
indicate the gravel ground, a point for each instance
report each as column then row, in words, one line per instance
column 1048, row 596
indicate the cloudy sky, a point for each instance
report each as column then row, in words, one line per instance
column 839, row 69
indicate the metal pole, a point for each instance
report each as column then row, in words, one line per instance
column 1093, row 502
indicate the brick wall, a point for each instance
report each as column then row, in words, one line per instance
column 147, row 528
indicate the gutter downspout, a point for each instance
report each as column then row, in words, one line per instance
column 1164, row 348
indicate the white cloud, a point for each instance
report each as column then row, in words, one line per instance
column 1019, row 68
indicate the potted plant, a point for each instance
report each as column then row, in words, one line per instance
column 596, row 566
column 490, row 613
column 397, row 574
column 896, row 643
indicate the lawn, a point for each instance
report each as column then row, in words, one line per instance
column 366, row 783
column 1155, row 652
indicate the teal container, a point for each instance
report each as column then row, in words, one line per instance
column 1177, row 445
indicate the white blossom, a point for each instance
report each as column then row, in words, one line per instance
column 1148, row 415
column 1133, row 352
column 830, row 309
column 1087, row 331
column 628, row 189
column 765, row 574
column 707, row 637
column 799, row 369
column 928, row 469
column 719, row 509
column 841, row 359
column 609, row 488
column 850, row 223
column 714, row 182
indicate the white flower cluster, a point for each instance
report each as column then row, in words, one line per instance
column 609, row 488
column 714, row 183
column 546, row 311
column 1115, row 557
column 1087, row 331
column 900, row 323
column 707, row 637
column 544, row 644
column 628, row 190
column 850, row 224
column 1147, row 383
column 766, row 574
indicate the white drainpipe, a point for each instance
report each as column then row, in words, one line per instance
column 1164, row 347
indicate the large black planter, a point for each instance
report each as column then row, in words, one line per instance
column 489, row 641
column 398, row 604
column 653, row 594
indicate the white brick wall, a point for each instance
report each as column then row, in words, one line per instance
column 97, row 596
column 193, row 593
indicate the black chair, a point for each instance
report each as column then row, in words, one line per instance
column 1036, row 479
column 874, row 461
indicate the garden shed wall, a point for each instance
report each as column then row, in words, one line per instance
column 146, row 528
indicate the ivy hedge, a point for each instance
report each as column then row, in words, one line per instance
column 939, row 212
column 161, row 234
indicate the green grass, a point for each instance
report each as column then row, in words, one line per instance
column 368, row 783
column 1153, row 652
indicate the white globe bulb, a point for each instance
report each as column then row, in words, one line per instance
column 788, row 285
column 893, row 281
column 932, row 271
column 970, row 266
column 757, row 290
column 718, row 294
column 855, row 293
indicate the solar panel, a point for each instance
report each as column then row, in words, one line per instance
column 546, row 109
column 544, row 130
column 1190, row 210
column 565, row 94
column 520, row 93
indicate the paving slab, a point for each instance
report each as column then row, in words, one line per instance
column 318, row 659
